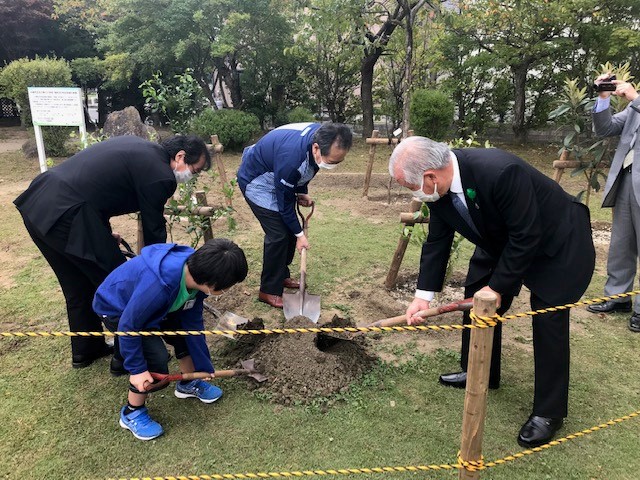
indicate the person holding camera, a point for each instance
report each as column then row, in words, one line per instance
column 622, row 193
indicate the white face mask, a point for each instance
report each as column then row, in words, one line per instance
column 327, row 166
column 426, row 197
column 183, row 176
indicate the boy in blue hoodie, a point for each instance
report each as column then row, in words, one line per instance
column 162, row 289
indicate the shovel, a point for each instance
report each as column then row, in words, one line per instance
column 248, row 369
column 302, row 303
column 459, row 306
column 226, row 320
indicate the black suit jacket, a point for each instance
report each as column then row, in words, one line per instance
column 122, row 175
column 530, row 230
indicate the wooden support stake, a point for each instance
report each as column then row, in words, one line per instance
column 140, row 239
column 403, row 242
column 204, row 211
column 218, row 148
column 475, row 399
column 201, row 198
column 372, row 156
column 409, row 218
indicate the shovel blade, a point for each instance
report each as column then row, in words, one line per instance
column 229, row 321
column 297, row 304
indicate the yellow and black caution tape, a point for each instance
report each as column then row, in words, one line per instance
column 461, row 464
column 481, row 322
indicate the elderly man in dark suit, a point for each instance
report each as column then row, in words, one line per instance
column 527, row 230
column 622, row 193
column 66, row 210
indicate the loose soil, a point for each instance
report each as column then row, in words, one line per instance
column 300, row 367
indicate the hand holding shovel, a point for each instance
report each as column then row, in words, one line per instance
column 248, row 369
column 459, row 306
column 302, row 303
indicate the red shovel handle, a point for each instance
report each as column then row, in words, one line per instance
column 165, row 378
column 460, row 306
column 303, row 219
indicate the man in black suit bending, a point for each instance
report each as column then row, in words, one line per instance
column 527, row 230
column 66, row 210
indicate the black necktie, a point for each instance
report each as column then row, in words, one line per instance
column 463, row 211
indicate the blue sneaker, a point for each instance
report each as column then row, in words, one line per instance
column 200, row 389
column 141, row 424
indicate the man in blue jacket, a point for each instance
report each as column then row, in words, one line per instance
column 163, row 289
column 273, row 176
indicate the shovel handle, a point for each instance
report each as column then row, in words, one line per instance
column 175, row 377
column 303, row 252
column 460, row 306
column 303, row 219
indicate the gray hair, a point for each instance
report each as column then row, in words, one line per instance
column 416, row 155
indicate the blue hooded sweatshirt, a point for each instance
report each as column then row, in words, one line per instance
column 277, row 167
column 140, row 293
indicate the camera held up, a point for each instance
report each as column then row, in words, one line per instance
column 605, row 85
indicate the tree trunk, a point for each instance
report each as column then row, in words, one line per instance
column 366, row 91
column 207, row 91
column 408, row 77
column 519, row 85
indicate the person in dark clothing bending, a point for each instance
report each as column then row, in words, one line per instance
column 66, row 211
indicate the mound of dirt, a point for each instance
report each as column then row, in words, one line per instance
column 304, row 366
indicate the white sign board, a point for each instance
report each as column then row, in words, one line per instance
column 55, row 106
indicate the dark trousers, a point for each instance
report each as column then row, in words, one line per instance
column 153, row 348
column 550, row 351
column 79, row 279
column 279, row 249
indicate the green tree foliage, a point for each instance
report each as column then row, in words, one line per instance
column 216, row 38
column 535, row 42
column 328, row 49
column 179, row 100
column 233, row 127
column 20, row 74
column 300, row 115
column 574, row 109
column 41, row 72
column 431, row 113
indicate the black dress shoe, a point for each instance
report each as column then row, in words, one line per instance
column 538, row 430
column 459, row 380
column 116, row 367
column 83, row 361
column 634, row 323
column 610, row 306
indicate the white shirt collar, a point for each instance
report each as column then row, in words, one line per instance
column 456, row 181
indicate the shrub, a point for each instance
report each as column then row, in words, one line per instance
column 300, row 115
column 179, row 100
column 233, row 127
column 431, row 113
column 55, row 139
column 41, row 72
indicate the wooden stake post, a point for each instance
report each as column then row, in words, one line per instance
column 560, row 165
column 403, row 242
column 374, row 141
column 475, row 399
column 201, row 198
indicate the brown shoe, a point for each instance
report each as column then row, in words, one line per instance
column 274, row 300
column 291, row 283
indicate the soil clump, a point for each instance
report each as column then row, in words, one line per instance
column 301, row 367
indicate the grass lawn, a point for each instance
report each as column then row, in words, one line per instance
column 60, row 423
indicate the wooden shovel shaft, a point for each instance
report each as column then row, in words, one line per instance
column 460, row 306
column 175, row 377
